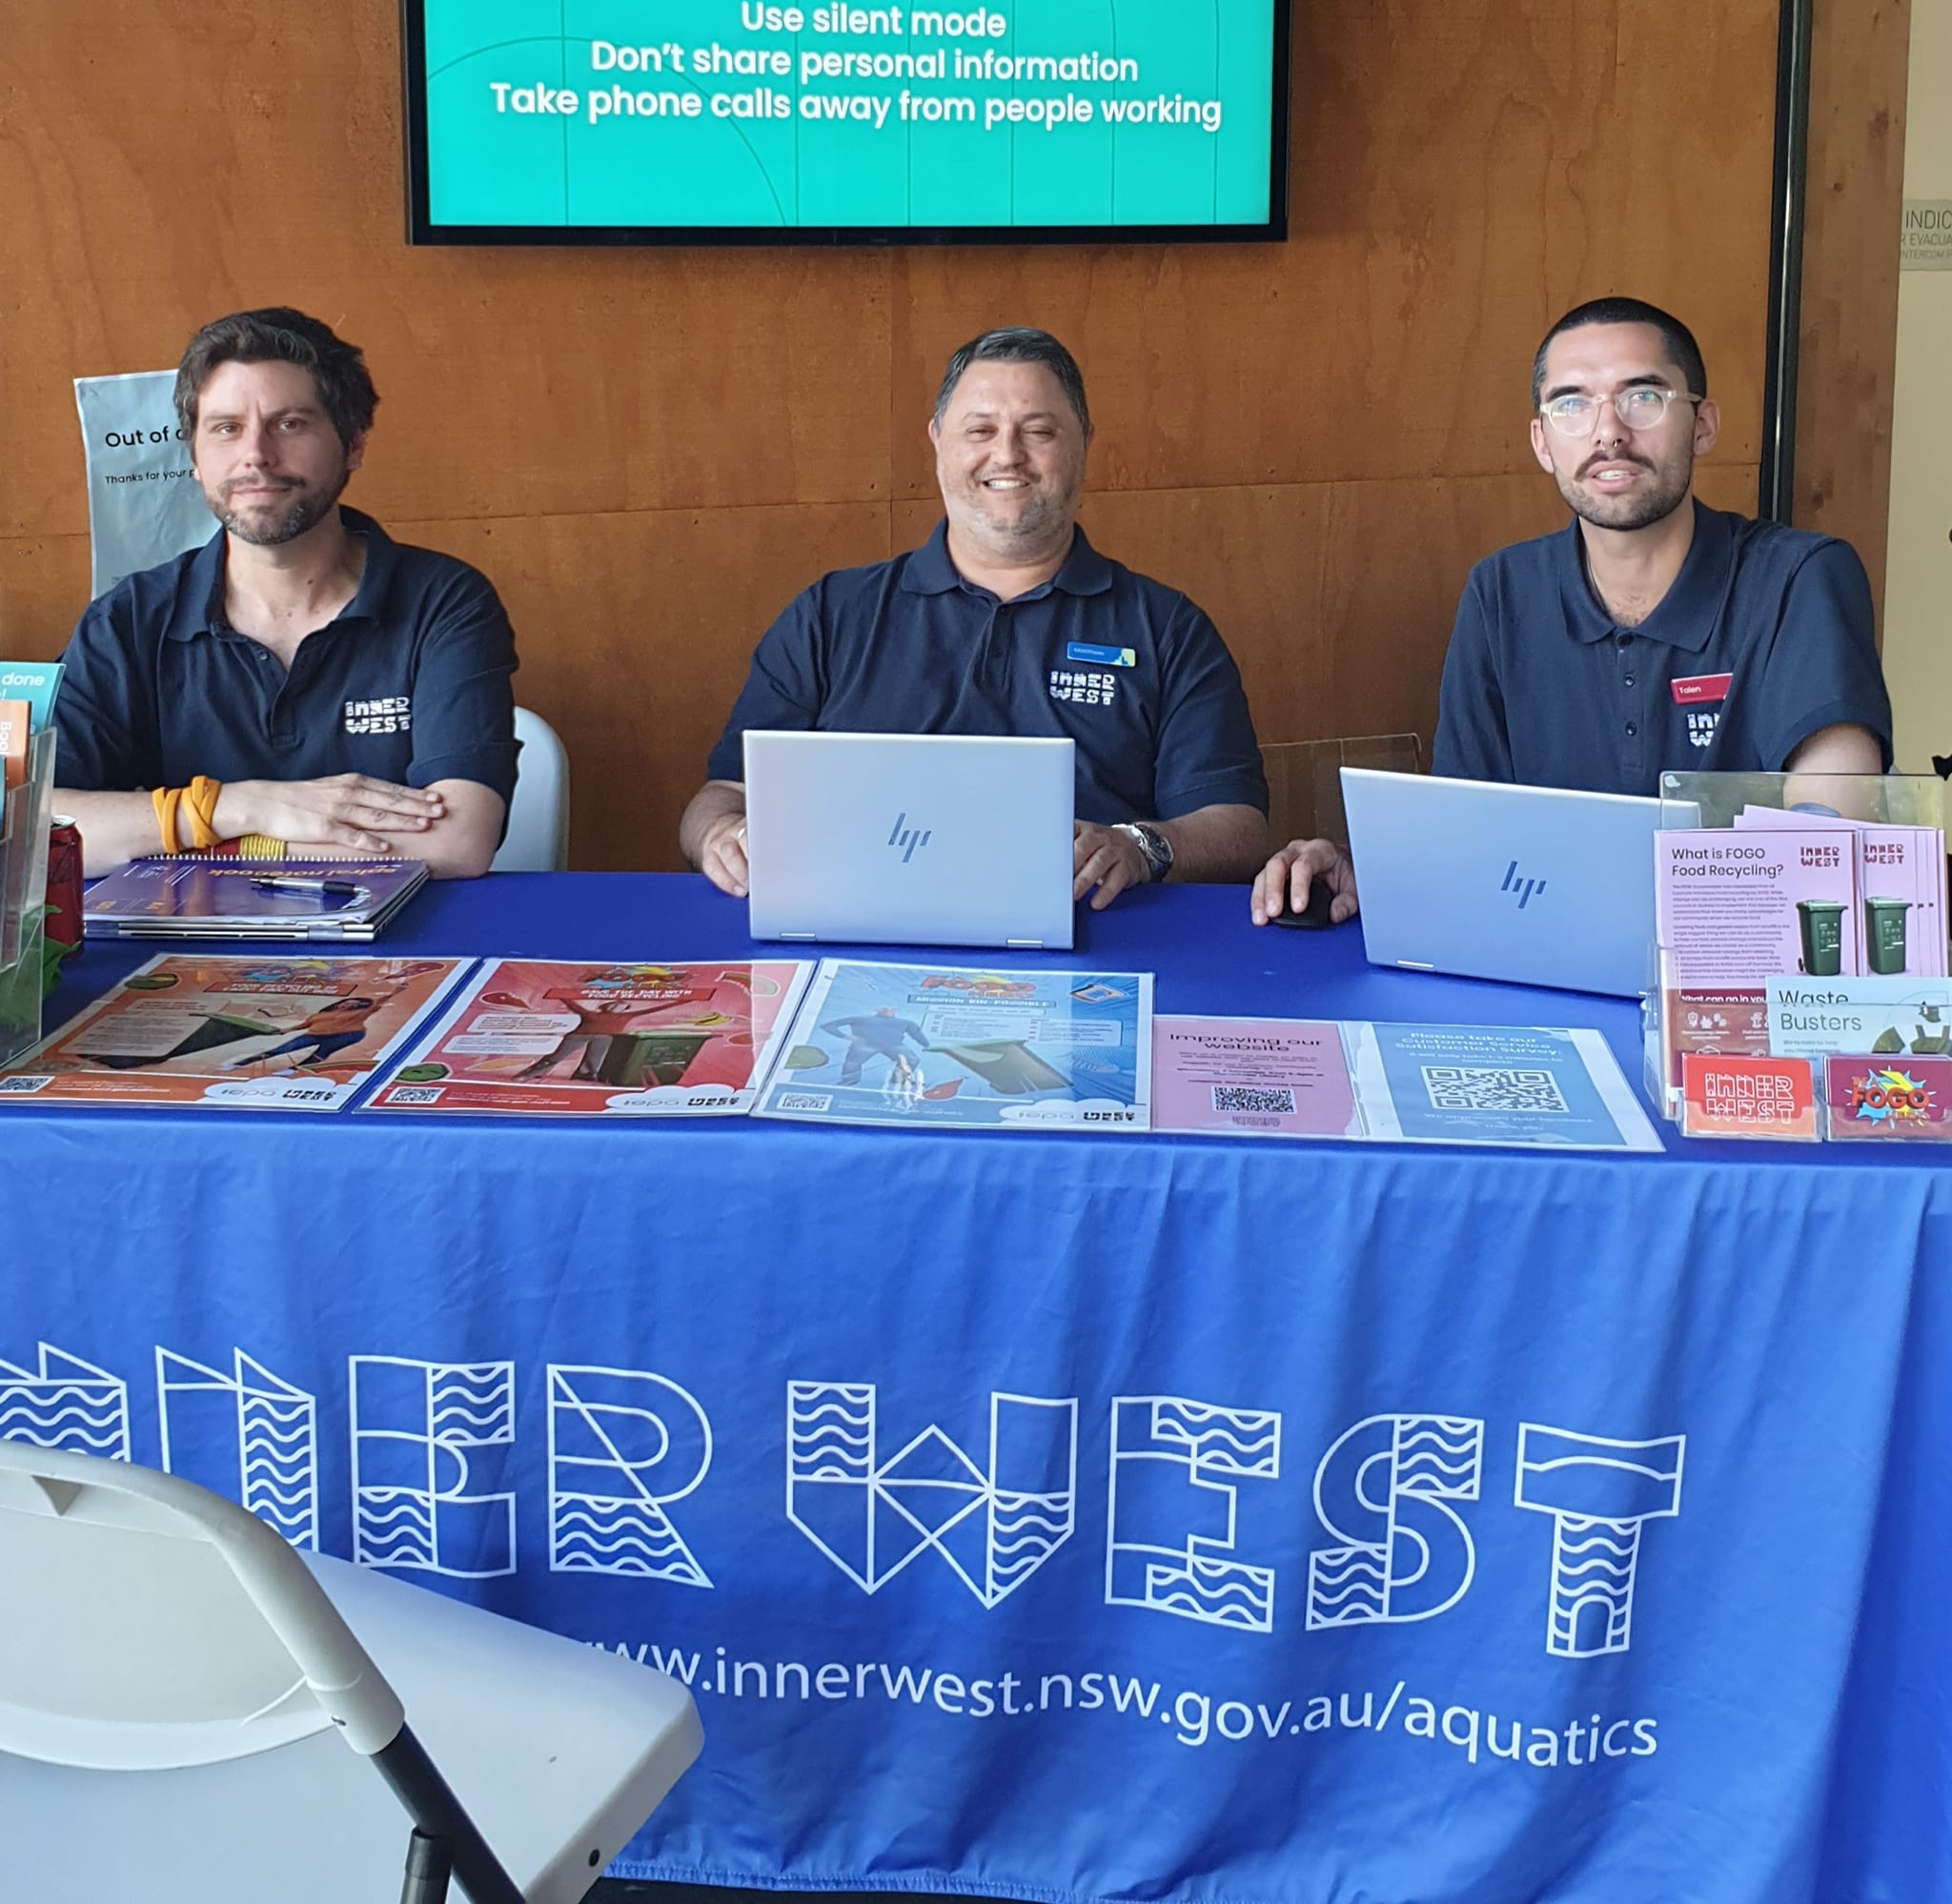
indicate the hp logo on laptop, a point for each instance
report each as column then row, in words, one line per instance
column 907, row 839
column 1523, row 887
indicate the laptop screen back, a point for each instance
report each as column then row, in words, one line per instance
column 1537, row 885
column 909, row 840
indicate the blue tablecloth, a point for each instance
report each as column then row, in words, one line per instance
column 1088, row 1517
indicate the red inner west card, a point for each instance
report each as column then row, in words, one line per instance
column 1731, row 1096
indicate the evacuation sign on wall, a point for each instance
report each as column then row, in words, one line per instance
column 1927, row 241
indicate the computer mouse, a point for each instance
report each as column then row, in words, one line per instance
column 1315, row 915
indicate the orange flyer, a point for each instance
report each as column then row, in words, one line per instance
column 15, row 726
column 246, row 1034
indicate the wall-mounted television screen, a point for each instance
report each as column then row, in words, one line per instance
column 755, row 121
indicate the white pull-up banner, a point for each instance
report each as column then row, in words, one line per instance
column 144, row 504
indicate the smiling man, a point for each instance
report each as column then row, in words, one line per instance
column 302, row 679
column 1653, row 634
column 1007, row 622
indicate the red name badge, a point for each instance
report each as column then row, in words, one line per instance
column 1693, row 688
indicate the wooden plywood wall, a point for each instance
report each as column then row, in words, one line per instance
column 650, row 450
column 1853, row 198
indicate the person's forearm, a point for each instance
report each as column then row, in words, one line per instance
column 714, row 801
column 451, row 848
column 1217, row 845
column 462, row 844
column 115, row 827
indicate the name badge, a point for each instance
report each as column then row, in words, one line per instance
column 1692, row 689
column 1103, row 657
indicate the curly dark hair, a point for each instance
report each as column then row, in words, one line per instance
column 281, row 334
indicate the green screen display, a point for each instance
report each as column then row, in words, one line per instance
column 673, row 119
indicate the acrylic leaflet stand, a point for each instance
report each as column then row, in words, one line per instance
column 24, row 822
column 1713, row 800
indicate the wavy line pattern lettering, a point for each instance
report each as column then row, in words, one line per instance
column 872, row 1516
column 61, row 1402
column 1171, row 1455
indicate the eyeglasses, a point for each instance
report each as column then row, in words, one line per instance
column 1644, row 407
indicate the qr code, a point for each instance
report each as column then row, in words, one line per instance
column 415, row 1094
column 24, row 1083
column 1251, row 1097
column 1486, row 1087
column 807, row 1101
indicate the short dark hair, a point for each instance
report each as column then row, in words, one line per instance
column 1676, row 337
column 280, row 334
column 1018, row 344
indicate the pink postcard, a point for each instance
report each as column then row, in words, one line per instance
column 1251, row 1077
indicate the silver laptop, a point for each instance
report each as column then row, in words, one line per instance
column 909, row 840
column 1533, row 885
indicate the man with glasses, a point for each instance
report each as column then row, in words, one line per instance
column 1653, row 634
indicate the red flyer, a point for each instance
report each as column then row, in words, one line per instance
column 680, row 1038
column 1719, row 1023
column 1747, row 1097
column 1888, row 1097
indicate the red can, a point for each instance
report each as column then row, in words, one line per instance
column 64, row 886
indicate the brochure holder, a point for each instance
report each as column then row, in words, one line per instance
column 24, row 822
column 1733, row 1025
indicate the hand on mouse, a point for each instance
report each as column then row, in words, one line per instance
column 1283, row 884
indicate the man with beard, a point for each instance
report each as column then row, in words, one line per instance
column 302, row 680
column 1007, row 622
column 1653, row 634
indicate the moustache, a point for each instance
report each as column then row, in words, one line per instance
column 1592, row 462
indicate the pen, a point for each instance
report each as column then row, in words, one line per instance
column 323, row 888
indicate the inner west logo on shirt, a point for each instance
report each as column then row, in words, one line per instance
column 391, row 715
column 1703, row 722
column 1094, row 690
column 1702, row 696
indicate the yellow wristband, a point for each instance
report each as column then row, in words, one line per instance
column 261, row 846
column 200, row 797
column 166, row 801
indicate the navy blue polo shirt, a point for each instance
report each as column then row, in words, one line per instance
column 1764, row 637
column 1125, row 667
column 408, row 683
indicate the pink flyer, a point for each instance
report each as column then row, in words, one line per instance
column 1900, row 883
column 1251, row 1077
column 1737, row 908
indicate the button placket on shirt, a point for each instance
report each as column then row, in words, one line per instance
column 267, row 679
column 304, row 671
column 992, row 667
column 1632, row 699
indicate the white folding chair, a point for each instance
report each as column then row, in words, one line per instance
column 171, row 1676
column 537, row 836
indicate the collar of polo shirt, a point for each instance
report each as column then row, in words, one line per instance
column 929, row 571
column 1687, row 612
column 200, row 605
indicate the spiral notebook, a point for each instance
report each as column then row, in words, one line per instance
column 193, row 896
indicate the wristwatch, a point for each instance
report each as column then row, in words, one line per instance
column 1152, row 843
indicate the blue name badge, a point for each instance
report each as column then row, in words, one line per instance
column 1103, row 657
